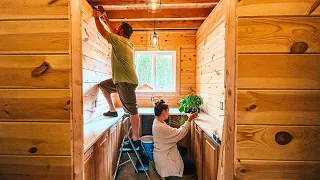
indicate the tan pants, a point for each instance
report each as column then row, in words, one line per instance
column 126, row 93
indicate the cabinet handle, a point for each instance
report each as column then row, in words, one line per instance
column 102, row 142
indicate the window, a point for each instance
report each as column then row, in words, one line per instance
column 156, row 71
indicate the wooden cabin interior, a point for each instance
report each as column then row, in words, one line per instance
column 256, row 65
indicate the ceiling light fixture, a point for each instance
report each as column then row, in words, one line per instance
column 154, row 38
column 153, row 6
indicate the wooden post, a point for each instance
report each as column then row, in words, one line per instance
column 76, row 91
column 226, row 160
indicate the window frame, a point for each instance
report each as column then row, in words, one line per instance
column 174, row 69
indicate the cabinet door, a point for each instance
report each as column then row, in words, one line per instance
column 101, row 158
column 119, row 135
column 198, row 151
column 89, row 170
column 192, row 151
column 113, row 150
column 210, row 159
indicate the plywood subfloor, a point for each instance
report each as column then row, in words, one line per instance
column 126, row 172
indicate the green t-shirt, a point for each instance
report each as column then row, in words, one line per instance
column 122, row 59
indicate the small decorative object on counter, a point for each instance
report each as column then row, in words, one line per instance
column 190, row 104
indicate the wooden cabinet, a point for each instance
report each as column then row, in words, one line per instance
column 210, row 159
column 113, row 150
column 101, row 158
column 198, row 151
column 192, row 130
column 204, row 152
column 89, row 168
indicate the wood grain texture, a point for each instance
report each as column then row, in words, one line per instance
column 127, row 2
column 36, row 9
column 277, row 35
column 258, row 142
column 198, row 151
column 226, row 155
column 216, row 17
column 101, row 157
column 278, row 71
column 275, row 7
column 96, row 60
column 164, row 13
column 210, row 159
column 168, row 40
column 16, row 71
column 77, row 117
column 48, row 138
column 35, row 167
column 177, row 24
column 32, row 37
column 89, row 168
column 34, row 105
column 210, row 43
column 277, row 170
column 288, row 107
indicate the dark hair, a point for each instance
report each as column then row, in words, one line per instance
column 127, row 29
column 160, row 106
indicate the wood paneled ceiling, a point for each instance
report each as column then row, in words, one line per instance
column 175, row 14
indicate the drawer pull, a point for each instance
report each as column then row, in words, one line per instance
column 283, row 138
column 38, row 71
column 102, row 142
column 299, row 48
column 33, row 150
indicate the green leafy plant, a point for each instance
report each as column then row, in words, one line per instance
column 191, row 103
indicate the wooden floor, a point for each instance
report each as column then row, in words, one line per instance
column 126, row 172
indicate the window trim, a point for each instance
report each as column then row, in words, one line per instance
column 174, row 68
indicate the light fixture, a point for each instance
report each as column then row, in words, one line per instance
column 153, row 6
column 154, row 38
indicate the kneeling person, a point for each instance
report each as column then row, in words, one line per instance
column 166, row 153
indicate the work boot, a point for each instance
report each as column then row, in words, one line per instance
column 112, row 114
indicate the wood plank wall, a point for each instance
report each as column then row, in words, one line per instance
column 35, row 127
column 210, row 64
column 96, row 60
column 278, row 96
column 181, row 41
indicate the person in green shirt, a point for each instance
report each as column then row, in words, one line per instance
column 124, row 78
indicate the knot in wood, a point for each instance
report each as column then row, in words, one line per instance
column 283, row 138
column 33, row 150
column 299, row 48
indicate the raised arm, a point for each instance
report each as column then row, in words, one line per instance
column 100, row 27
column 109, row 24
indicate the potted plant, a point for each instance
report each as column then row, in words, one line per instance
column 190, row 103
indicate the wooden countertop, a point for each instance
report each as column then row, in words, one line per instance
column 209, row 125
column 96, row 127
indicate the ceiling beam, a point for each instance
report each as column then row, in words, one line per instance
column 165, row 13
column 134, row 2
column 149, row 25
column 164, row 6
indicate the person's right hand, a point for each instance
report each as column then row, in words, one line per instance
column 96, row 14
column 193, row 116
